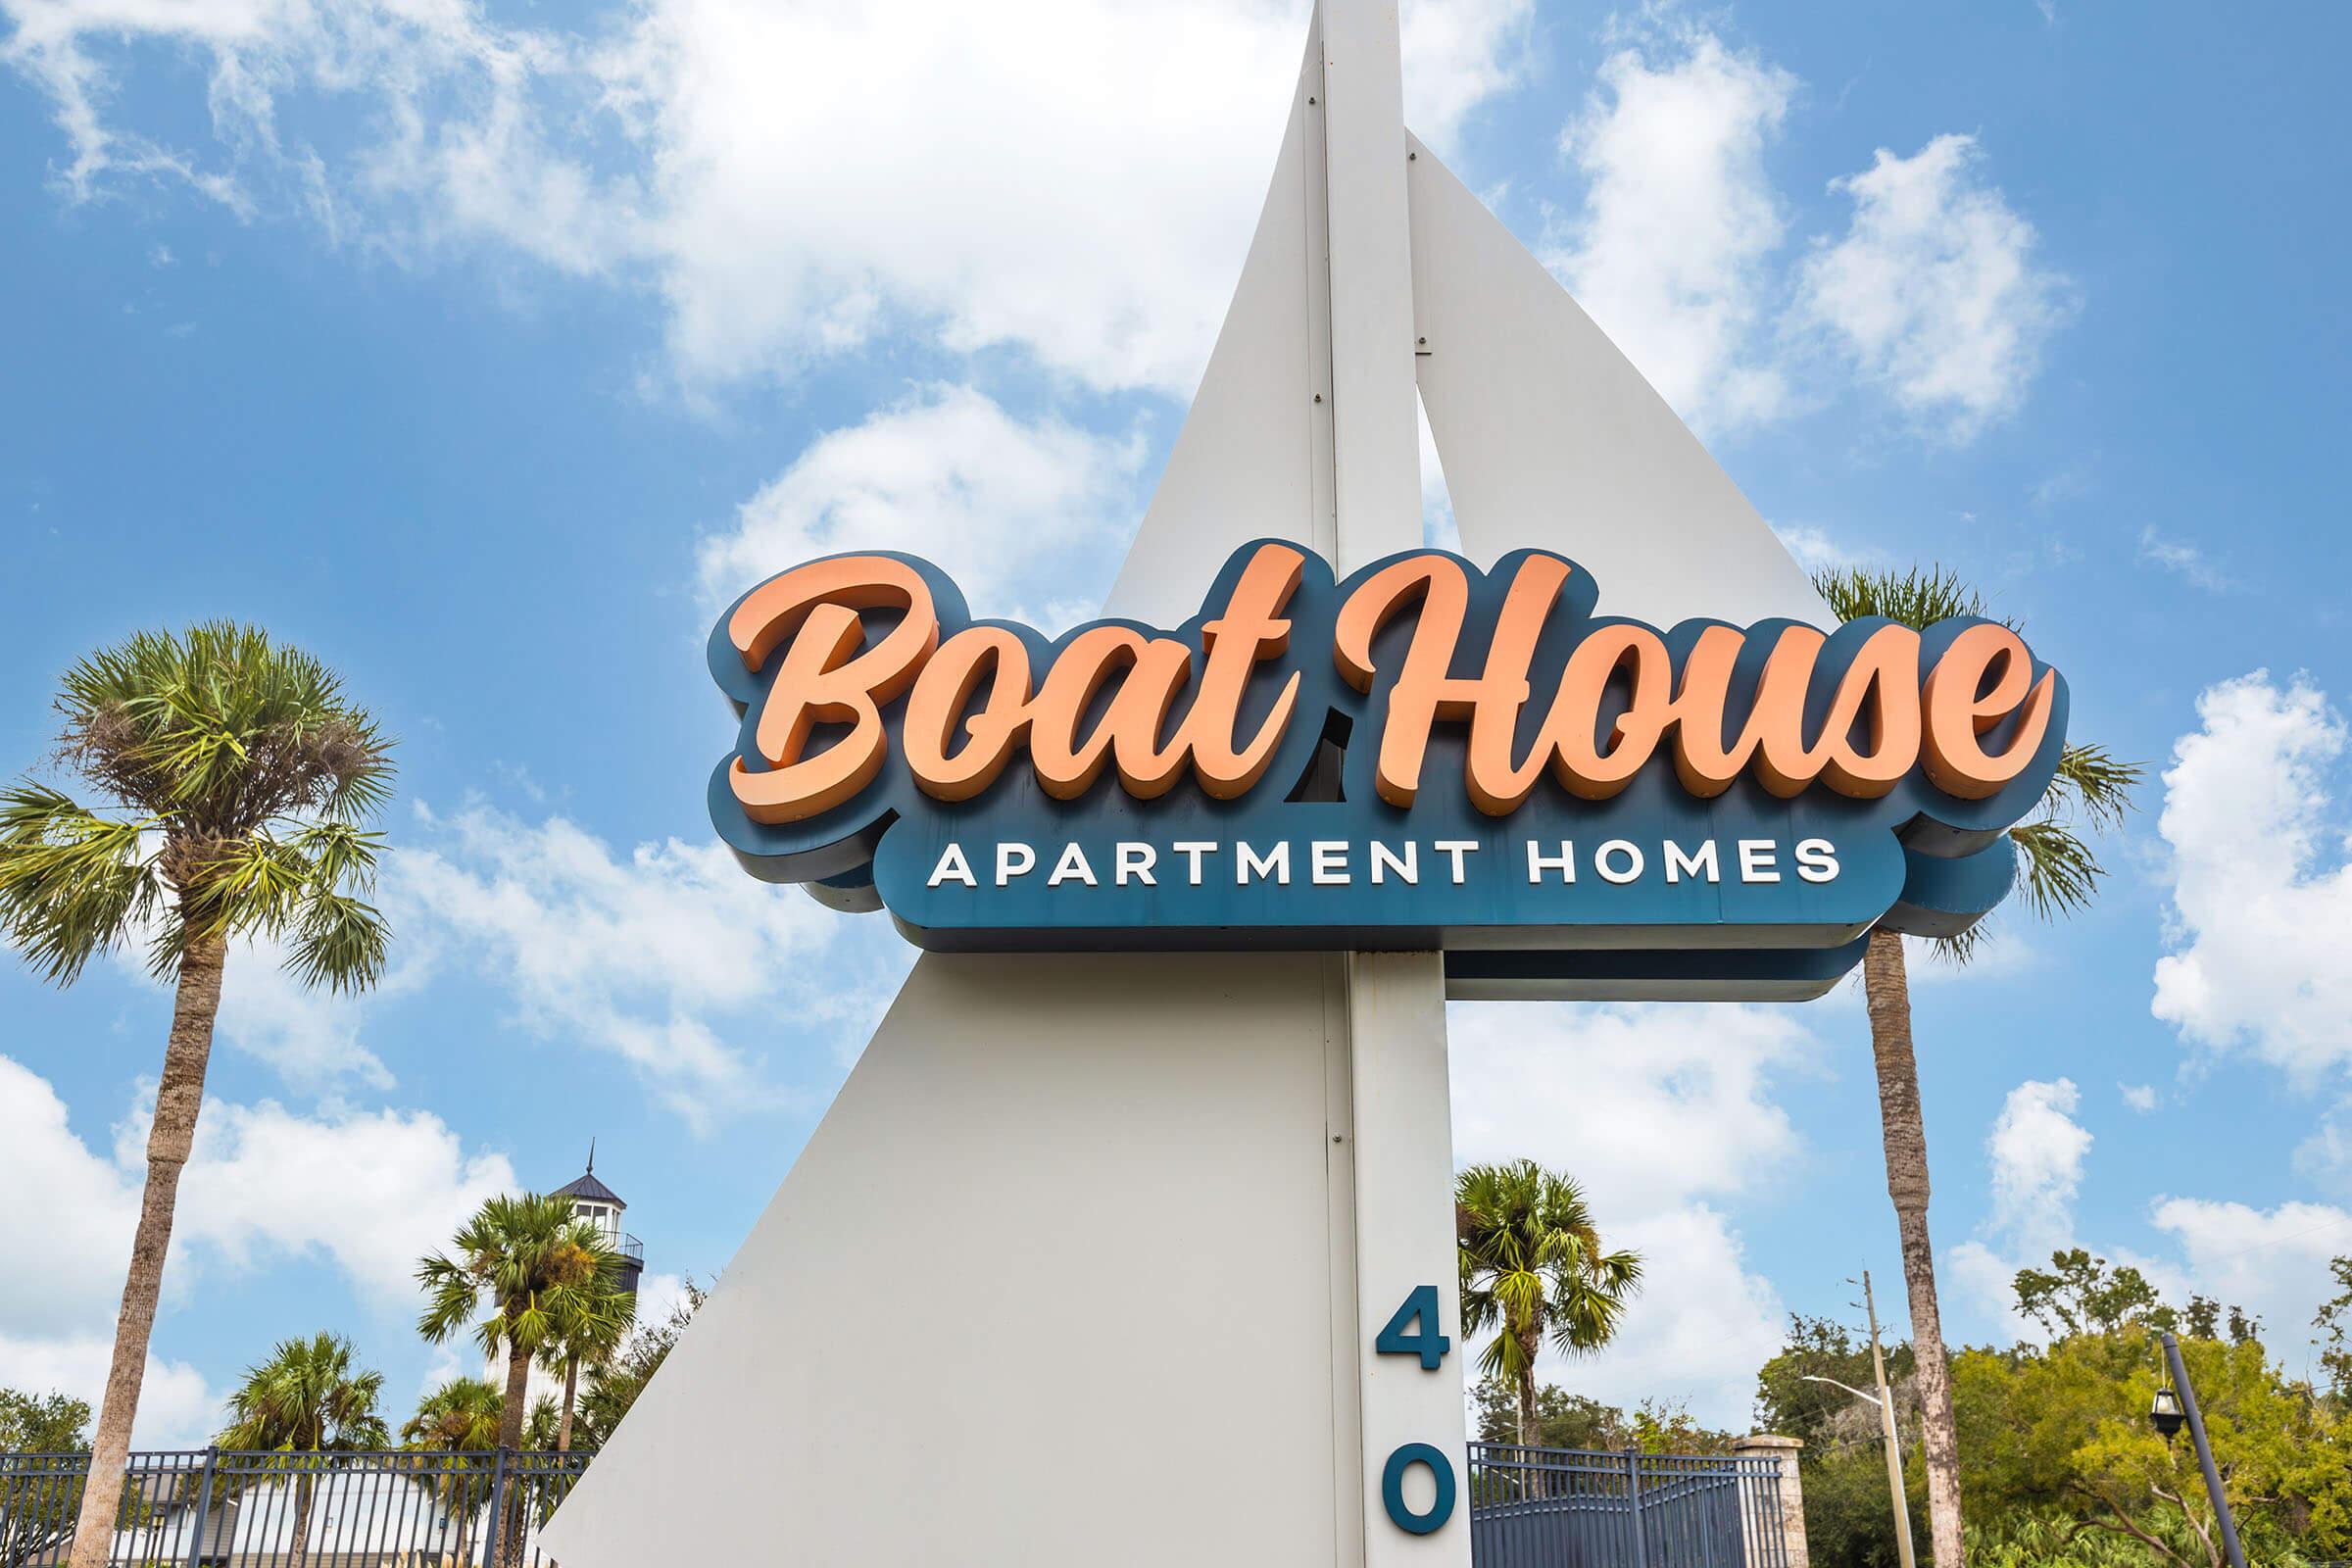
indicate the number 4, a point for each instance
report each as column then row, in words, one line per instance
column 1427, row 1343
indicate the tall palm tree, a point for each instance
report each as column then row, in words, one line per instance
column 308, row 1399
column 2058, row 874
column 524, row 1263
column 590, row 1326
column 242, row 775
column 1534, row 1268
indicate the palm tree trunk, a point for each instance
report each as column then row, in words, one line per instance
column 299, row 1551
column 518, row 1400
column 177, row 1098
column 510, row 1440
column 1529, row 1432
column 1887, row 988
column 571, row 1384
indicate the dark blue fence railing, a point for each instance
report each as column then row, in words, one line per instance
column 1576, row 1509
column 214, row 1508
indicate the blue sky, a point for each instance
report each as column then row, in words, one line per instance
column 480, row 348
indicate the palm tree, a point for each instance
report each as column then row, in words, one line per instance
column 1534, row 1268
column 459, row 1417
column 527, row 1264
column 2059, row 874
column 309, row 1399
column 590, row 1326
column 244, row 775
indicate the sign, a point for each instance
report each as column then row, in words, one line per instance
column 1423, row 756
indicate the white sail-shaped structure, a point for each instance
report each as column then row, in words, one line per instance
column 1083, row 1263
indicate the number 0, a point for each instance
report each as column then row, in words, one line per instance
column 1392, row 1489
column 1428, row 1343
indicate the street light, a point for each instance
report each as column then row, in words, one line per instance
column 2164, row 1412
column 1886, row 1403
column 2186, row 1408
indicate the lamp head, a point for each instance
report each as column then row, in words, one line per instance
column 2163, row 1413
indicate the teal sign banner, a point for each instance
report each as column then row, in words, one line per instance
column 1422, row 755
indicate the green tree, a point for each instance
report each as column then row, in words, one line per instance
column 590, row 1326
column 2062, row 1432
column 1579, row 1421
column 1533, row 1268
column 2335, row 1323
column 309, row 1399
column 48, row 1423
column 614, row 1384
column 36, row 1514
column 2059, row 874
column 524, row 1264
column 2078, row 1293
column 242, row 775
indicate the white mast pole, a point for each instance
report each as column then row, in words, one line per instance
column 1397, row 1091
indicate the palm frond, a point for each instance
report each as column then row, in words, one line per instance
column 339, row 941
column 1916, row 597
column 2094, row 782
column 72, row 884
column 2056, row 866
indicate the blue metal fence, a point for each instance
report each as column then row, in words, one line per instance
column 213, row 1509
column 1575, row 1508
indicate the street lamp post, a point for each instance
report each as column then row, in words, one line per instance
column 1886, row 1403
column 2166, row 1413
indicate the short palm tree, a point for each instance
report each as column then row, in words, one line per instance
column 243, row 776
column 589, row 1329
column 458, row 1418
column 309, row 1398
column 2058, row 874
column 1533, row 1268
column 526, row 1265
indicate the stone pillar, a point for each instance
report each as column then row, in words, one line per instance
column 1781, row 1452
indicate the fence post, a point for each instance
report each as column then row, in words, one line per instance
column 1632, row 1505
column 496, row 1552
column 204, row 1508
column 1788, row 1492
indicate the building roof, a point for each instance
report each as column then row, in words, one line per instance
column 588, row 1189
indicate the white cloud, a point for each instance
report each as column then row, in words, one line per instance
column 2035, row 1153
column 2273, row 1263
column 369, row 1191
column 2183, row 560
column 1933, row 290
column 373, row 1192
column 1024, row 514
column 1598, row 1090
column 1669, row 253
column 2262, row 889
column 309, row 1035
column 2140, row 1097
column 1077, row 177
column 1817, row 551
column 649, row 954
column 178, row 1408
column 66, row 1251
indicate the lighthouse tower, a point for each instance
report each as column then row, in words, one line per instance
column 601, row 1206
